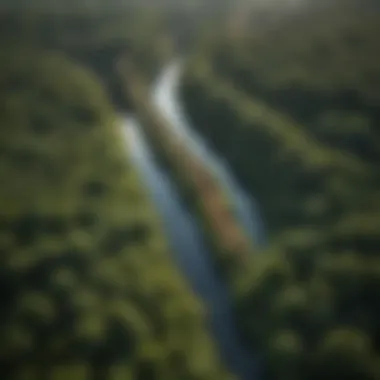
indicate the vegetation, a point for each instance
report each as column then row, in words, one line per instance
column 88, row 289
column 296, row 116
column 95, row 37
column 87, row 284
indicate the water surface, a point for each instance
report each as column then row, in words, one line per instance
column 188, row 246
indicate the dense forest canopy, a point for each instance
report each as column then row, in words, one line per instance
column 290, row 98
column 295, row 111
column 87, row 285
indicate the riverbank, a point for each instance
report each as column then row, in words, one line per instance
column 210, row 202
column 191, row 255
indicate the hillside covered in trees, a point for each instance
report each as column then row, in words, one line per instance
column 88, row 287
column 295, row 112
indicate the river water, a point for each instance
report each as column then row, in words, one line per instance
column 189, row 249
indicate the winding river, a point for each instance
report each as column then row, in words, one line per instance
column 189, row 248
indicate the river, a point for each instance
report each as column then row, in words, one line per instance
column 189, row 249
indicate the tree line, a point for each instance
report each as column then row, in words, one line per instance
column 296, row 116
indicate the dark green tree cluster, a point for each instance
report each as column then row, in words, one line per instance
column 95, row 36
column 331, row 85
column 296, row 115
column 87, row 286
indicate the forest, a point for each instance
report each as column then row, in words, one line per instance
column 296, row 115
column 89, row 286
column 94, row 39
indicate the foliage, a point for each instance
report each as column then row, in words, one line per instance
column 87, row 285
column 296, row 117
column 95, row 37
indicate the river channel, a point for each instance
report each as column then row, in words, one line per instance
column 190, row 251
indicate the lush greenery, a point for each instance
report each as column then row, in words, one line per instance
column 88, row 288
column 296, row 115
column 95, row 37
